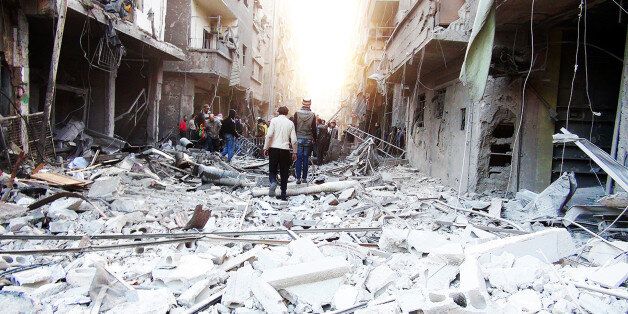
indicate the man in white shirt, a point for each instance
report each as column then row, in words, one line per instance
column 280, row 137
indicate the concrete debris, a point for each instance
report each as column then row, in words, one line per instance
column 108, row 290
column 551, row 201
column 292, row 275
column 245, row 252
column 550, row 245
column 611, row 276
column 602, row 253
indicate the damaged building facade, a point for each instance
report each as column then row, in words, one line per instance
column 127, row 75
column 490, row 128
column 230, row 49
column 87, row 65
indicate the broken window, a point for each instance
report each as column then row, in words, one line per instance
column 463, row 118
column 419, row 112
column 439, row 103
column 500, row 149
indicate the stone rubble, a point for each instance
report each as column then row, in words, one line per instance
column 425, row 258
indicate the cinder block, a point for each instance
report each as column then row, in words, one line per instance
column 549, row 245
column 291, row 275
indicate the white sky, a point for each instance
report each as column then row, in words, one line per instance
column 325, row 36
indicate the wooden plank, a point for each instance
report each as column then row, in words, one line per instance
column 54, row 65
column 58, row 179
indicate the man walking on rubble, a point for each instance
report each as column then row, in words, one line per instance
column 213, row 133
column 229, row 133
column 322, row 142
column 305, row 124
column 281, row 136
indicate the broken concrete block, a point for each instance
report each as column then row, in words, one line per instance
column 440, row 302
column 410, row 300
column 110, row 288
column 70, row 203
column 478, row 236
column 104, row 188
column 451, row 252
column 93, row 227
column 346, row 195
column 61, row 226
column 525, row 197
column 551, row 244
column 495, row 209
column 611, row 276
column 127, row 205
column 17, row 302
column 189, row 296
column 314, row 295
column 523, row 274
column 238, row 289
column 425, row 241
column 80, row 277
column 526, row 300
column 472, row 284
column 304, row 250
column 39, row 275
column 62, row 214
column 380, row 277
column 180, row 272
column 602, row 253
column 268, row 297
column 286, row 276
column 550, row 202
column 440, row 276
column 345, row 297
column 148, row 301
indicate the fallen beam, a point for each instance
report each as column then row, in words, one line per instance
column 329, row 187
column 298, row 274
column 184, row 234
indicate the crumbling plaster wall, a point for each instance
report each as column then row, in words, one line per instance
column 177, row 100
column 438, row 148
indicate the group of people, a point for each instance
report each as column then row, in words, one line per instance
column 295, row 137
column 215, row 133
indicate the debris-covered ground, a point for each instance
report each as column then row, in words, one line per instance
column 178, row 230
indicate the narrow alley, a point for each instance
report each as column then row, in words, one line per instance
column 328, row 156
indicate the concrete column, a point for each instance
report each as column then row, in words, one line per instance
column 154, row 98
column 619, row 150
column 110, row 103
column 24, row 79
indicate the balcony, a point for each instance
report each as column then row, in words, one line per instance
column 418, row 37
column 202, row 62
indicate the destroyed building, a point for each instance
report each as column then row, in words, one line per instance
column 230, row 62
column 493, row 130
column 514, row 116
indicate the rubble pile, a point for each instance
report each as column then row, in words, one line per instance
column 178, row 230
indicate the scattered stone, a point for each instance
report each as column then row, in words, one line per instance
column 104, row 188
column 379, row 277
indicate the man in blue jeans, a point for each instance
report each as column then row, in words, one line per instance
column 305, row 125
column 229, row 133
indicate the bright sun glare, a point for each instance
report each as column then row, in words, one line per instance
column 325, row 36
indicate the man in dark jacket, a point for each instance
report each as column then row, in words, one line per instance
column 305, row 124
column 229, row 133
